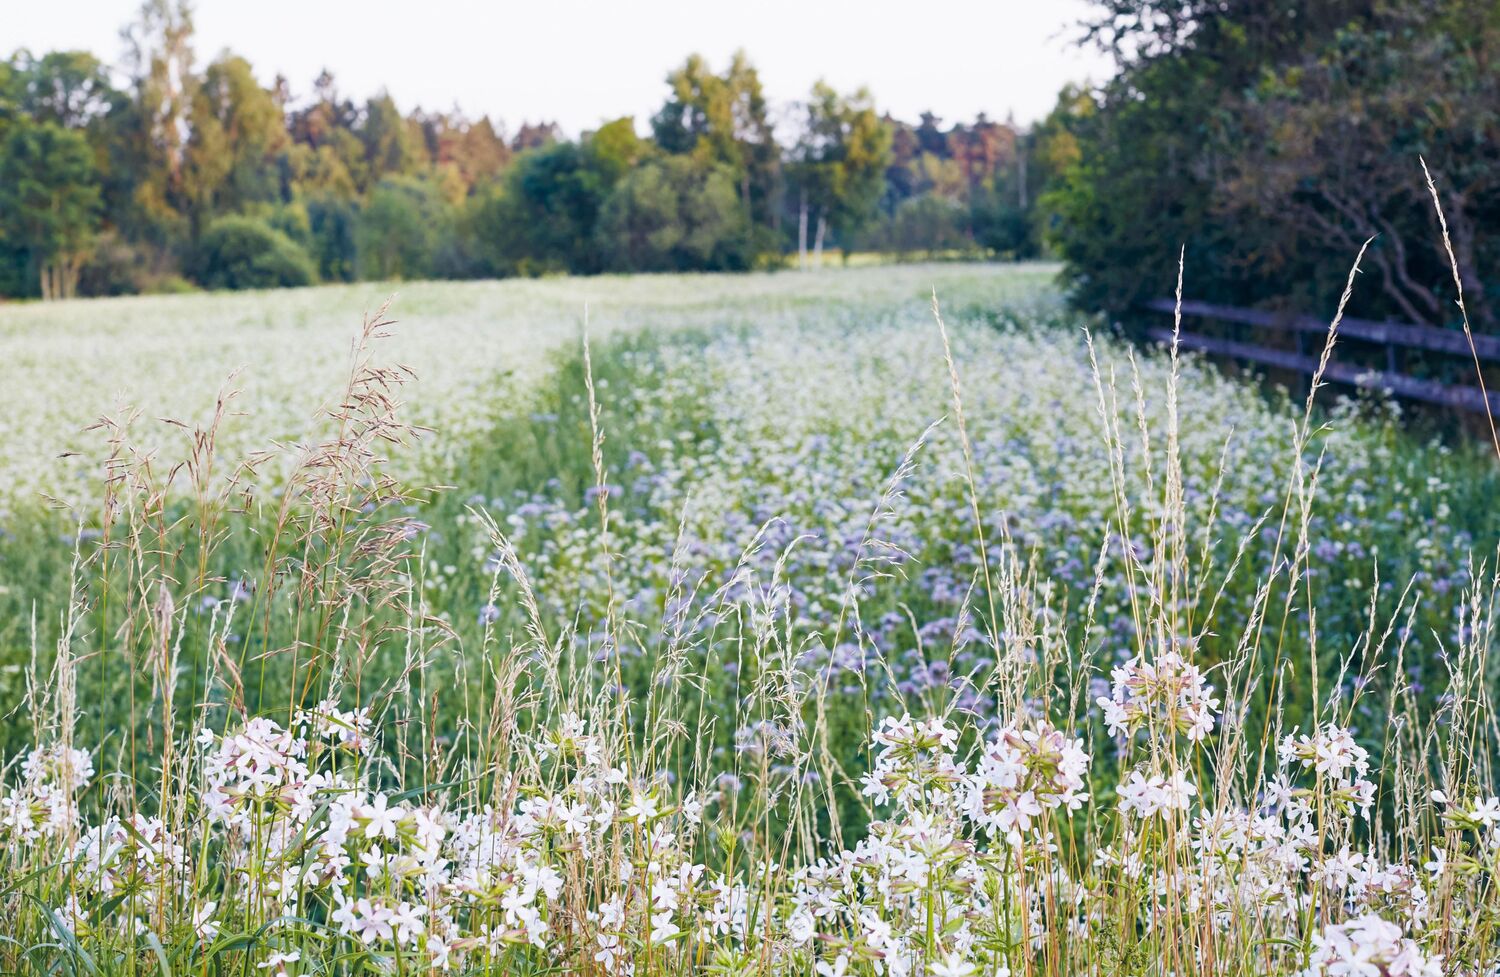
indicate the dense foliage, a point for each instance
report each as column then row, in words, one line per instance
column 1272, row 139
column 242, row 252
column 110, row 187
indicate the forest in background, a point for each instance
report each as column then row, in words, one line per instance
column 165, row 173
column 1269, row 139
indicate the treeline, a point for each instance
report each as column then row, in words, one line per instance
column 1273, row 138
column 162, row 174
column 1270, row 137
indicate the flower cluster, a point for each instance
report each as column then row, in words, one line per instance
column 1481, row 815
column 1147, row 796
column 44, row 804
column 1167, row 693
column 915, row 760
column 1022, row 774
column 959, row 877
column 1371, row 947
column 1332, row 753
column 874, row 906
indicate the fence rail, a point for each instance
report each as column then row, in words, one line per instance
column 1392, row 335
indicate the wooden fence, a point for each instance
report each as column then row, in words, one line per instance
column 1392, row 335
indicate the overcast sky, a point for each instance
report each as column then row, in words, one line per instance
column 579, row 63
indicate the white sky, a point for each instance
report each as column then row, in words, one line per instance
column 580, row 63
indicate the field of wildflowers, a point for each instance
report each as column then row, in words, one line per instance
column 783, row 625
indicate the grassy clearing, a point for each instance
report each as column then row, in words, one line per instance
column 1185, row 669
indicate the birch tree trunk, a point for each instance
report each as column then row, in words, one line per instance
column 802, row 234
column 818, row 242
column 72, row 266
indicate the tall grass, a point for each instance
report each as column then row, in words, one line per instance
column 323, row 771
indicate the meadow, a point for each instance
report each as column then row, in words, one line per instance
column 759, row 624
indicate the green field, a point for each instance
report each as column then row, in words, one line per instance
column 755, row 516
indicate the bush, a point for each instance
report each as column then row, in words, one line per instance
column 544, row 216
column 114, row 268
column 675, row 215
column 167, row 284
column 400, row 229
column 118, row 266
column 242, row 252
column 332, row 223
column 929, row 223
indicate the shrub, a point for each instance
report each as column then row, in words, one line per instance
column 675, row 215
column 543, row 217
column 243, row 252
column 332, row 224
column 400, row 229
column 929, row 223
column 115, row 267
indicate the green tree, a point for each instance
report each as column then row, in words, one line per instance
column 1051, row 151
column 1327, row 152
column 615, row 149
column 159, row 60
column 70, row 88
column 839, row 166
column 333, row 244
column 391, row 147
column 243, row 252
column 930, row 222
column 999, row 223
column 726, row 119
column 542, row 218
column 237, row 134
column 401, row 229
column 49, row 201
column 673, row 214
column 1271, row 138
